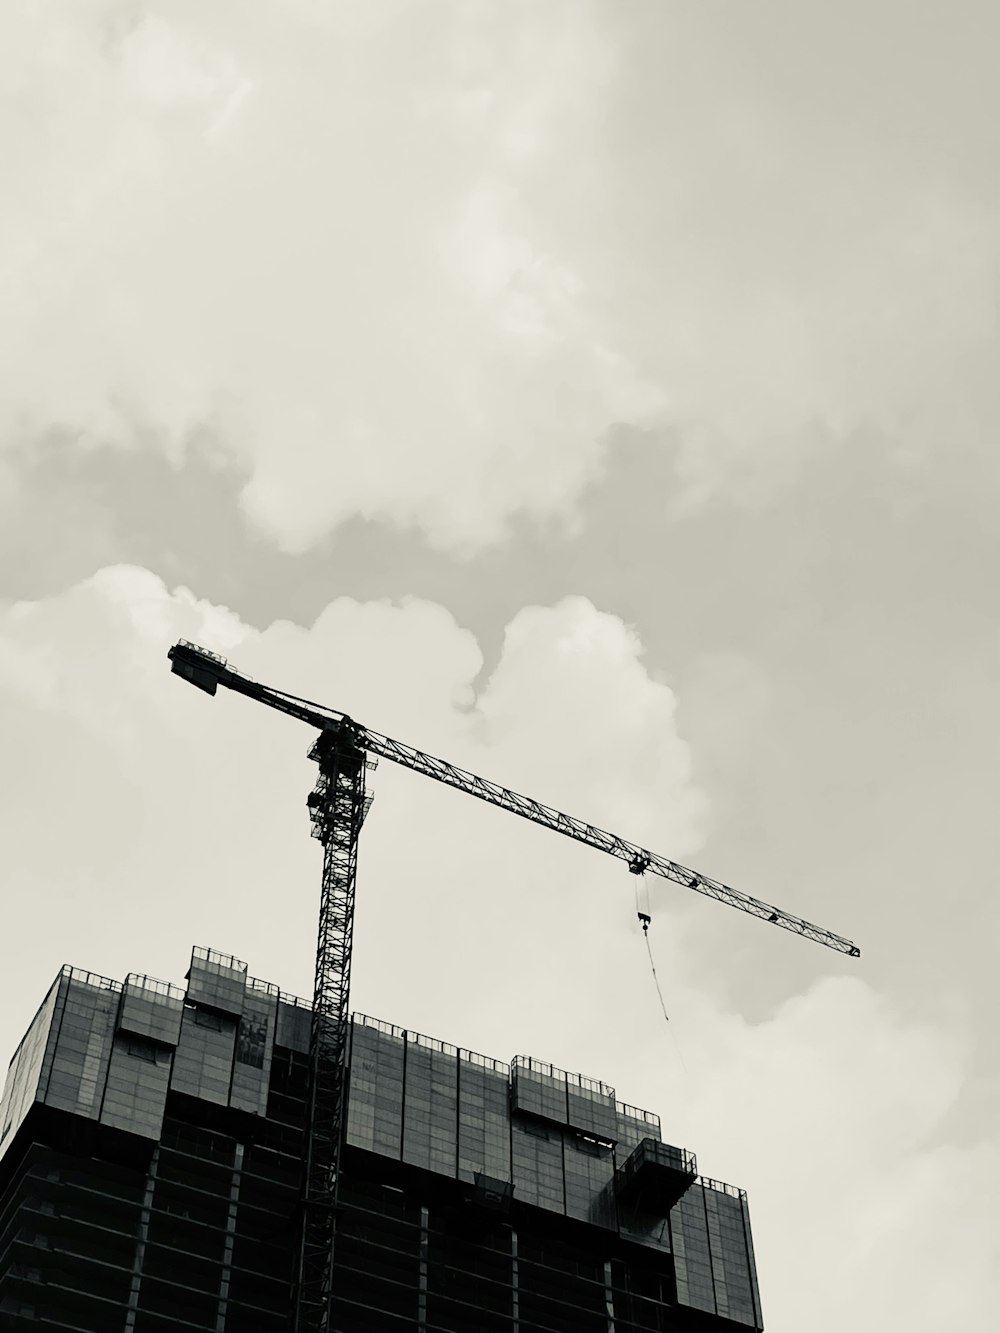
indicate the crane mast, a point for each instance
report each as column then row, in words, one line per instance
column 343, row 751
column 337, row 808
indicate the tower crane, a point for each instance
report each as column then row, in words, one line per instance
column 344, row 750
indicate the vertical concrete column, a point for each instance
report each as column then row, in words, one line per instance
column 609, row 1295
column 227, row 1253
column 514, row 1315
column 422, row 1280
column 140, row 1242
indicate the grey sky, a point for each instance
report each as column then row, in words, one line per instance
column 690, row 311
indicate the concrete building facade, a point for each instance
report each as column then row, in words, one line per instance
column 150, row 1148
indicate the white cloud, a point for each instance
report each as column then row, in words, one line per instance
column 412, row 262
column 832, row 1114
column 816, row 248
column 142, row 816
column 163, row 66
column 569, row 715
column 314, row 235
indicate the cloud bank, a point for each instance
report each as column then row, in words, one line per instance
column 145, row 817
column 306, row 243
column 415, row 262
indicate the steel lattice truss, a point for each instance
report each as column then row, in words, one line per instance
column 337, row 809
column 637, row 858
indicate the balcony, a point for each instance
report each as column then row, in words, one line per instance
column 656, row 1175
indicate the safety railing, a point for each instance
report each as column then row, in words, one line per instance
column 721, row 1187
column 91, row 978
column 264, row 987
column 379, row 1024
column 484, row 1061
column 213, row 956
column 534, row 1066
column 166, row 989
column 431, row 1043
column 637, row 1113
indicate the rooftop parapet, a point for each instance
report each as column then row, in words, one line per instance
column 216, row 980
column 542, row 1090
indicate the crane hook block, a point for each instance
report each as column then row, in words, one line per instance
column 645, row 919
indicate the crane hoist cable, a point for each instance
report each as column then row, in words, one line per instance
column 652, row 966
column 646, row 920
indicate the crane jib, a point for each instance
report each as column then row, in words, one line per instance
column 207, row 670
column 639, row 860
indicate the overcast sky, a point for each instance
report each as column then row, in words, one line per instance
column 602, row 394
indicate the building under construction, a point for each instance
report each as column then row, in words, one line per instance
column 150, row 1179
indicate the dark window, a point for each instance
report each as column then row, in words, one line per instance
column 587, row 1145
column 142, row 1050
column 251, row 1041
column 205, row 1018
column 536, row 1130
